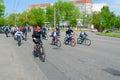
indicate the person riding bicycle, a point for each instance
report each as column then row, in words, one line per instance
column 6, row 30
column 44, row 32
column 37, row 35
column 19, row 33
column 83, row 35
column 13, row 30
column 58, row 30
column 54, row 34
column 69, row 32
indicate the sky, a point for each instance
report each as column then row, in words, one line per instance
column 18, row 6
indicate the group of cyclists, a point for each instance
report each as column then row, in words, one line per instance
column 38, row 33
column 41, row 32
column 15, row 31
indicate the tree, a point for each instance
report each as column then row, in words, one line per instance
column 112, row 19
column 2, row 21
column 106, row 17
column 37, row 17
column 117, row 23
column 96, row 19
column 2, row 8
column 50, row 14
column 11, row 19
column 65, row 11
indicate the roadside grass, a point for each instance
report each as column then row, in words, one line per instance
column 117, row 31
column 110, row 34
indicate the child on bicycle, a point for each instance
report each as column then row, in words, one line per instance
column 54, row 34
column 83, row 35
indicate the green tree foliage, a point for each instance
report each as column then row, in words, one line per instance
column 65, row 11
column 2, row 21
column 105, row 19
column 50, row 14
column 117, row 23
column 96, row 19
column 11, row 19
column 2, row 8
column 37, row 17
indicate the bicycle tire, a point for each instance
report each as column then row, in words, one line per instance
column 72, row 42
column 65, row 40
column 58, row 43
column 79, row 41
column 42, row 55
column 25, row 36
column 88, row 42
column 19, row 41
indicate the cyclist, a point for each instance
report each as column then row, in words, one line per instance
column 69, row 32
column 6, row 30
column 34, row 29
column 37, row 35
column 13, row 30
column 83, row 35
column 58, row 30
column 19, row 33
column 54, row 34
column 44, row 32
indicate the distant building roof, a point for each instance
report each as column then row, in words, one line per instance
column 82, row 1
column 38, row 5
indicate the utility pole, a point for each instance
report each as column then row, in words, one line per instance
column 15, row 19
column 54, row 17
column 26, row 18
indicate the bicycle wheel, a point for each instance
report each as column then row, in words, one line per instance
column 58, row 43
column 65, row 40
column 88, row 42
column 72, row 42
column 42, row 54
column 25, row 36
column 79, row 41
column 19, row 41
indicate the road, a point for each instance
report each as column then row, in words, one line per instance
column 100, row 61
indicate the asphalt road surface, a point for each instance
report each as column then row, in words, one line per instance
column 99, row 61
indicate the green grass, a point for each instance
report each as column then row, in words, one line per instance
column 111, row 34
column 117, row 31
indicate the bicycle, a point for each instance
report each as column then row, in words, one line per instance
column 44, row 36
column 71, row 42
column 56, row 42
column 6, row 33
column 25, row 36
column 19, row 40
column 86, row 41
column 39, row 50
